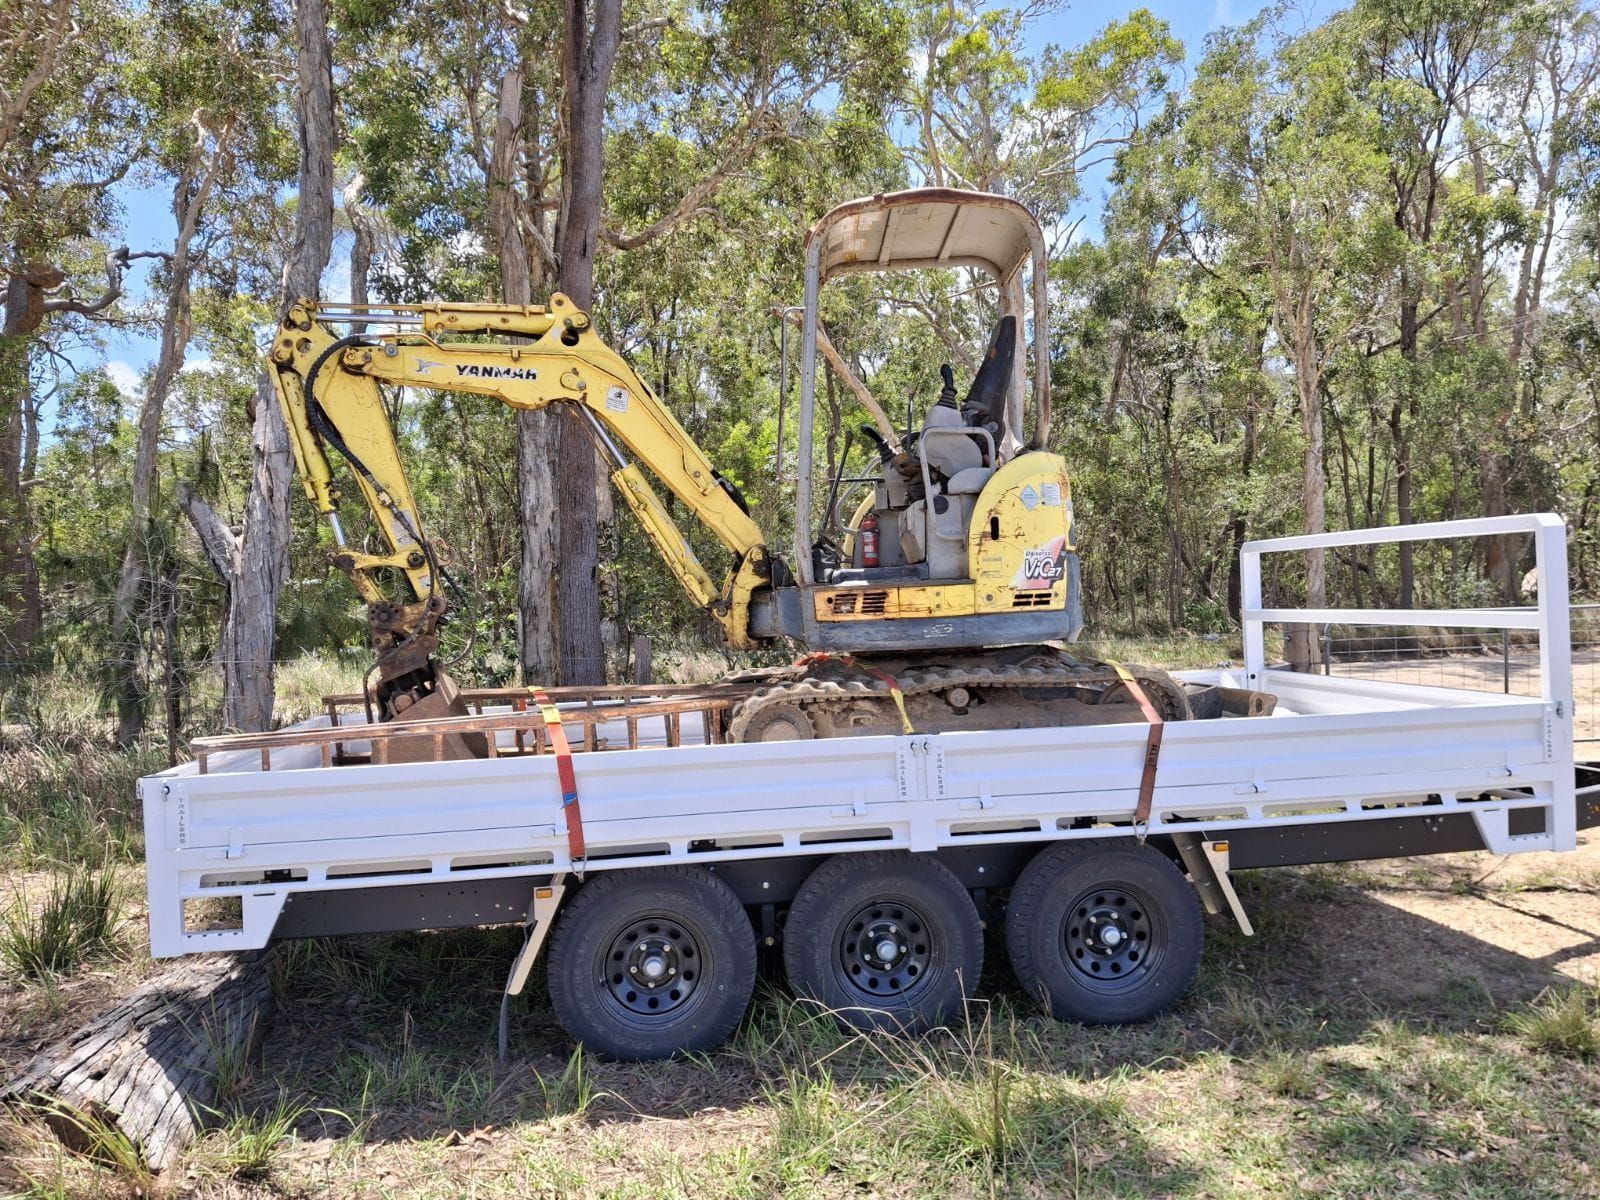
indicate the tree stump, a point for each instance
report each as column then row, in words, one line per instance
column 150, row 1065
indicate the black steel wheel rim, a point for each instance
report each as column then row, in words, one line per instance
column 886, row 951
column 1113, row 937
column 651, row 968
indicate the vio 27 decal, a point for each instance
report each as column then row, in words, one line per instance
column 1042, row 566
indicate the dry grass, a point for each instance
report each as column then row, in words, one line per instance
column 302, row 683
column 1350, row 1049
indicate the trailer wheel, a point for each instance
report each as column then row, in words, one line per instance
column 888, row 941
column 1104, row 934
column 648, row 964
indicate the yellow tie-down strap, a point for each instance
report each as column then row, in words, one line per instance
column 896, row 693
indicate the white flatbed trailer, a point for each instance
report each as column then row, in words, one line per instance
column 1344, row 769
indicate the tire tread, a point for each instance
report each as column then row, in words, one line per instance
column 829, row 881
column 1030, row 893
column 566, row 978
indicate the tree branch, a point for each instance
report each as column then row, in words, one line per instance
column 219, row 542
column 13, row 106
column 116, row 264
column 868, row 401
column 648, row 25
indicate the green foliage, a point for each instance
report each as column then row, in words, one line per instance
column 1362, row 220
column 246, row 1145
column 77, row 917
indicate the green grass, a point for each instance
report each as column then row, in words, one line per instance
column 246, row 1145
column 78, row 805
column 76, row 918
column 1254, row 1086
column 1561, row 1021
column 100, row 1146
column 1275, row 1078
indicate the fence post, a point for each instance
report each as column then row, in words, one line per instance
column 641, row 659
column 1327, row 648
column 1505, row 661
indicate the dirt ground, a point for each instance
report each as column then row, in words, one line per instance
column 381, row 1054
column 1513, row 925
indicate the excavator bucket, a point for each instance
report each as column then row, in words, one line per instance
column 433, row 744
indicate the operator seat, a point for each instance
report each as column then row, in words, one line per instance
column 985, row 406
column 961, row 460
column 933, row 530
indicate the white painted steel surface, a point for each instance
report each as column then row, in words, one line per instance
column 1338, row 750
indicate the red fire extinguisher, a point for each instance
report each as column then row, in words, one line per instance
column 869, row 540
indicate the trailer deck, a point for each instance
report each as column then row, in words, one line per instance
column 310, row 831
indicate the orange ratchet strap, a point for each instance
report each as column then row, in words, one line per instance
column 850, row 660
column 569, row 780
column 1152, row 750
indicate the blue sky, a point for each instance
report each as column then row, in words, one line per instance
column 147, row 220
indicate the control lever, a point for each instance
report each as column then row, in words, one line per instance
column 885, row 451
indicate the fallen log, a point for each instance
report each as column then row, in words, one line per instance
column 150, row 1067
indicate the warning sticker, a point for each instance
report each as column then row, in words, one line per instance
column 617, row 399
column 1050, row 495
column 1029, row 498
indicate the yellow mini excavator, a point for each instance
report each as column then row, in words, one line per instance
column 945, row 599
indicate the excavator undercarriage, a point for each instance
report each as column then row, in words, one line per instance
column 1018, row 689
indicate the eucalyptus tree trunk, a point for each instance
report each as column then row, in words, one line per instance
column 1302, row 639
column 26, row 305
column 189, row 198
column 588, row 55
column 537, row 500
column 23, row 612
column 259, row 563
column 363, row 239
column 1402, row 419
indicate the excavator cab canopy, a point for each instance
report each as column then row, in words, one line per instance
column 926, row 228
column 935, row 229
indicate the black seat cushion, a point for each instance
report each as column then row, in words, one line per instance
column 985, row 404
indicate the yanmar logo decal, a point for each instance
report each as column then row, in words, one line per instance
column 475, row 371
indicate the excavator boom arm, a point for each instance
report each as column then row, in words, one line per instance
column 328, row 388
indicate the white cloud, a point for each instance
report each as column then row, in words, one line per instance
column 199, row 364
column 129, row 381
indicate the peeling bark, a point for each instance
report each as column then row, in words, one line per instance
column 588, row 54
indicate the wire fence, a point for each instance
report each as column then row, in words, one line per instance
column 1479, row 660
column 1499, row 661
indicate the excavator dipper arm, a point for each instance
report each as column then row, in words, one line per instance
column 328, row 388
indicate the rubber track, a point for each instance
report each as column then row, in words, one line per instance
column 813, row 693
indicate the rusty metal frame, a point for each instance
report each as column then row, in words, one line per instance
column 585, row 708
